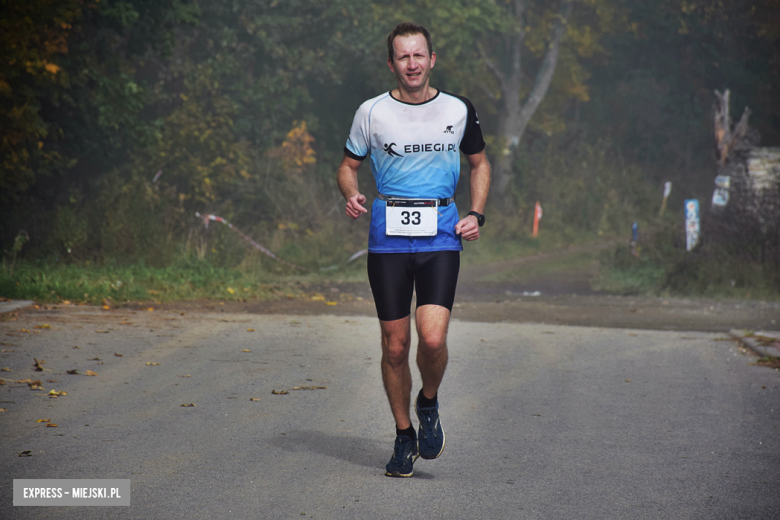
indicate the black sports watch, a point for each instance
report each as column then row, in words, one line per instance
column 480, row 217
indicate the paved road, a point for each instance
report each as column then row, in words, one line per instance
column 542, row 421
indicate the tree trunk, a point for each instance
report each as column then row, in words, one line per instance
column 513, row 115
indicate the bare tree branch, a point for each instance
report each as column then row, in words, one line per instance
column 492, row 67
column 488, row 92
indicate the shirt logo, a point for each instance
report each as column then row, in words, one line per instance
column 389, row 149
column 448, row 130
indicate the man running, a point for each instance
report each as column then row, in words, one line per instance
column 413, row 135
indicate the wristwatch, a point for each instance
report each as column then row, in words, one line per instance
column 480, row 218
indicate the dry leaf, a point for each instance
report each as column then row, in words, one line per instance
column 44, row 326
column 37, row 365
column 250, row 330
column 2, row 382
column 90, row 373
column 191, row 405
column 310, row 388
column 24, row 330
column 66, row 302
column 331, row 303
column 54, row 393
column 245, row 350
column 106, row 307
column 152, row 363
column 51, row 380
column 74, row 371
column 628, row 380
column 76, row 347
column 5, row 369
column 255, row 399
column 318, row 298
column 35, row 385
column 51, row 425
column 3, row 409
column 25, row 453
column 102, row 331
column 94, row 359
column 24, row 381
column 125, row 322
column 43, row 420
column 117, row 354
column 150, row 308
column 279, row 392
column 186, row 376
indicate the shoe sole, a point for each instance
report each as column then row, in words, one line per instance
column 403, row 475
column 443, row 436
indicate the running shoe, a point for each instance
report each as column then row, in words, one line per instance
column 404, row 454
column 430, row 434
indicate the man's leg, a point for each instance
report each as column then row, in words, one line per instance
column 432, row 323
column 396, row 340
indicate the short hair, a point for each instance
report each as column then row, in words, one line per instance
column 408, row 29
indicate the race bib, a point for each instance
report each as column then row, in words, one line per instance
column 411, row 217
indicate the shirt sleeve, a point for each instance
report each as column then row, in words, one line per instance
column 358, row 143
column 472, row 141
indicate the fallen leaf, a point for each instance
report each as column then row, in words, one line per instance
column 2, row 382
column 24, row 381
column 51, row 380
column 279, row 392
column 255, row 399
column 231, row 290
column 150, row 309
column 245, row 350
column 102, row 331
column 250, row 330
column 106, row 307
column 73, row 372
column 125, row 322
column 191, row 405
column 331, row 303
column 44, row 326
column 51, row 425
column 94, row 359
column 310, row 388
column 25, row 453
column 76, row 347
column 66, row 302
column 318, row 298
column 54, row 393
column 117, row 354
column 628, row 380
column 152, row 363
column 90, row 373
column 35, row 385
column 5, row 369
column 43, row 420
column 37, row 365
column 186, row 376
column 3, row 409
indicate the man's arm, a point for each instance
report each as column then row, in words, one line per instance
column 468, row 228
column 348, row 184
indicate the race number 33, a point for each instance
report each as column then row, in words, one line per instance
column 411, row 217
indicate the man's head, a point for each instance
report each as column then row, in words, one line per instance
column 407, row 29
column 410, row 57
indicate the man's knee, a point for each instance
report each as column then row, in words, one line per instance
column 433, row 341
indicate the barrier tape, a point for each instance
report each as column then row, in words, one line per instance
column 207, row 217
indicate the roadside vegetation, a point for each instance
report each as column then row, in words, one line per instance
column 120, row 121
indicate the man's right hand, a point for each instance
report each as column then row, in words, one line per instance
column 355, row 205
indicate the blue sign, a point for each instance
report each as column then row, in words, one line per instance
column 692, row 224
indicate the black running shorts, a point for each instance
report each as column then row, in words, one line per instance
column 394, row 277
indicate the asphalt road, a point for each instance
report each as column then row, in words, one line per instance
column 542, row 421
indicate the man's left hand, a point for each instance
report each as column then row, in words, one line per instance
column 468, row 228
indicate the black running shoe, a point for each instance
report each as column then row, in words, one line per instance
column 430, row 434
column 404, row 455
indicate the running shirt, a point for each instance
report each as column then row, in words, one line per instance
column 414, row 153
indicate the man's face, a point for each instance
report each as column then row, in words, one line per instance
column 411, row 62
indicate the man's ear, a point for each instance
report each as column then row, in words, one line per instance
column 433, row 59
column 390, row 64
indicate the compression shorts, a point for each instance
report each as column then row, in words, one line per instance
column 395, row 276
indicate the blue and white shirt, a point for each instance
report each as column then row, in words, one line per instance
column 415, row 153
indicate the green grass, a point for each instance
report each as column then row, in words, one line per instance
column 184, row 280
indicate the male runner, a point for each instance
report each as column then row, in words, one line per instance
column 413, row 135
